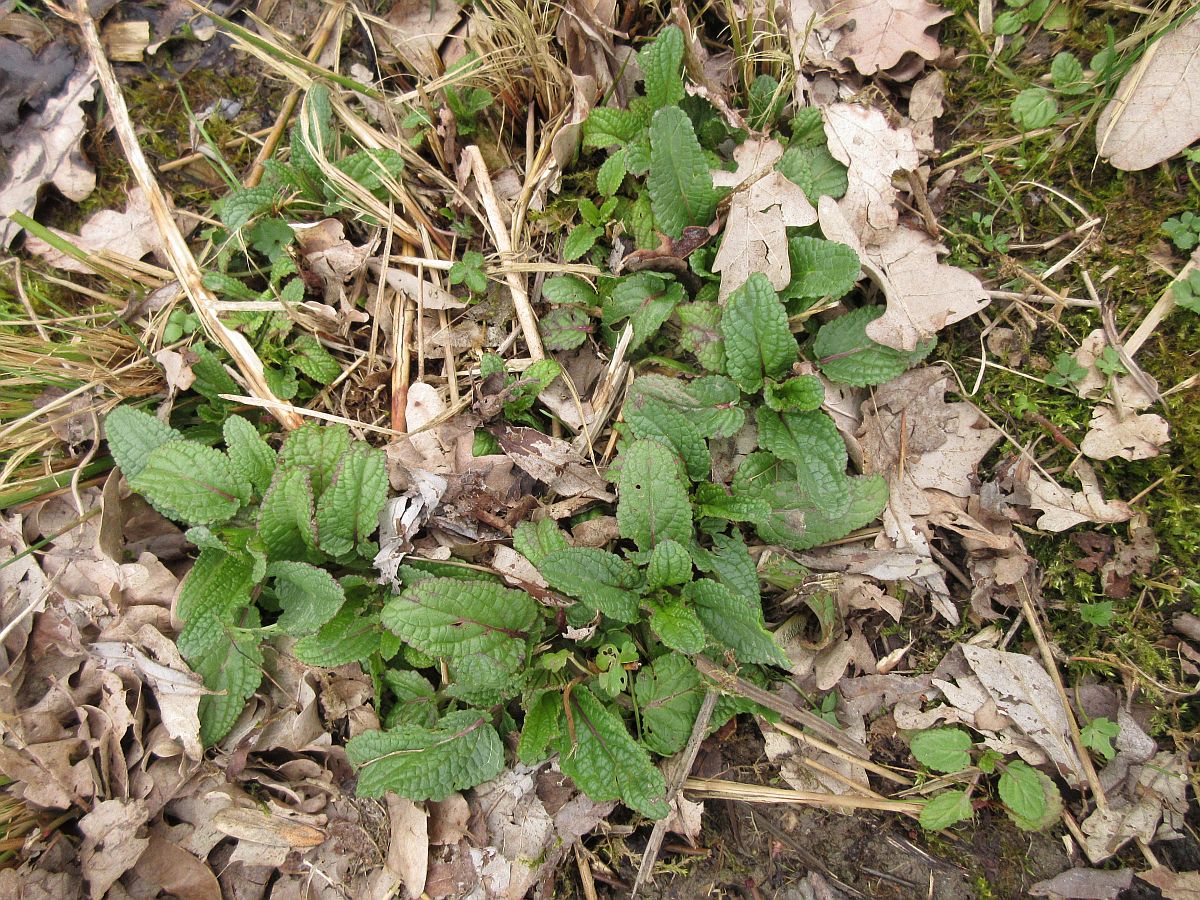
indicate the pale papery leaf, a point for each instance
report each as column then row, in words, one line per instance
column 1174, row 885
column 755, row 232
column 110, row 845
column 1078, row 882
column 885, row 30
column 1156, row 110
column 132, row 233
column 923, row 294
column 1132, row 437
column 1063, row 509
column 46, row 151
column 862, row 139
column 814, row 37
column 408, row 849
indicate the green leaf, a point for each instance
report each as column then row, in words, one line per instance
column 946, row 809
column 317, row 446
column 233, row 669
column 564, row 329
column 370, row 167
column 652, row 501
column 606, row 126
column 808, row 128
column 1099, row 614
column 701, row 334
column 600, row 580
column 1034, row 108
column 244, row 204
column 133, row 435
column 611, row 173
column 286, row 520
column 669, row 693
column 820, row 268
column 461, row 751
column 580, row 241
column 212, row 379
column 606, row 762
column 845, row 353
column 543, row 723
column 730, row 561
column 758, row 342
column 734, row 623
column 661, row 63
column 815, row 170
column 640, row 219
column 647, row 300
column 680, row 184
column 1067, row 74
column 766, row 102
column 811, row 441
column 348, row 511
column 1097, row 735
column 454, row 618
column 218, row 585
column 715, row 501
column 868, row 495
column 308, row 596
column 676, row 625
column 801, row 394
column 251, row 457
column 416, row 700
column 191, row 483
column 568, row 289
column 348, row 637
column 311, row 358
column 649, row 417
column 669, row 565
column 942, row 749
column 537, row 540
column 711, row 403
column 1021, row 790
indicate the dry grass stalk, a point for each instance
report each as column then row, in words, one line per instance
column 719, row 789
column 176, row 248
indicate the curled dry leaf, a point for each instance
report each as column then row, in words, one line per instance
column 1153, row 804
column 46, row 151
column 885, row 30
column 1063, row 509
column 1174, row 885
column 111, row 846
column 924, row 107
column 923, row 294
column 408, row 849
column 1023, row 691
column 414, row 31
column 813, row 36
column 1156, row 110
column 759, row 215
column 553, row 462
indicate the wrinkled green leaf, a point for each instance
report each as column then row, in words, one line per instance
column 845, row 353
column 758, row 342
column 652, row 501
column 669, row 693
column 600, row 580
column 680, row 184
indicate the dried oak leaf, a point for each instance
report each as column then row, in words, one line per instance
column 1133, row 437
column 1156, row 110
column 885, row 30
column 923, row 294
column 1063, row 509
column 861, row 138
column 47, row 152
column 759, row 215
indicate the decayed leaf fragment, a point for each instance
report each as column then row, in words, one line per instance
column 131, row 233
column 1139, row 436
column 923, row 294
column 1156, row 110
column 755, row 233
column 1064, row 509
column 885, row 30
column 47, row 152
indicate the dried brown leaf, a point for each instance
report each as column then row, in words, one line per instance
column 1139, row 436
column 862, row 138
column 1174, row 885
column 110, row 845
column 1063, row 509
column 132, row 234
column 408, row 850
column 172, row 869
